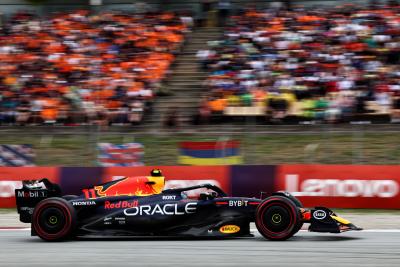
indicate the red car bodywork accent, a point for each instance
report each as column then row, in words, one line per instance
column 306, row 215
column 130, row 186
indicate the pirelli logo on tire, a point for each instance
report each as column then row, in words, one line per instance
column 229, row 229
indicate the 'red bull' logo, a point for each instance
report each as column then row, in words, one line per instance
column 121, row 204
column 134, row 186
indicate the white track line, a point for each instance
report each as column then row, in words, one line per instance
column 382, row 230
column 15, row 229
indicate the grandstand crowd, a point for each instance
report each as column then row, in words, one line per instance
column 329, row 64
column 76, row 67
column 81, row 68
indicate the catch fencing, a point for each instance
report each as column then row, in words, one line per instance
column 354, row 144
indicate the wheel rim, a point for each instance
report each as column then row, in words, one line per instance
column 277, row 219
column 52, row 220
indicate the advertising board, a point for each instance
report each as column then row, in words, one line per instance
column 342, row 186
column 12, row 177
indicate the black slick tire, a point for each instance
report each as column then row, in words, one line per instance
column 54, row 219
column 278, row 218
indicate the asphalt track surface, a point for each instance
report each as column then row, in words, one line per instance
column 365, row 248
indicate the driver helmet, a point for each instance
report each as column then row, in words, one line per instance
column 156, row 173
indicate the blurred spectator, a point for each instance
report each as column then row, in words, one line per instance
column 77, row 67
column 224, row 7
column 206, row 7
column 320, row 64
column 172, row 118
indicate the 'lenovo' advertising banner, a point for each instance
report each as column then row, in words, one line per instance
column 342, row 186
column 12, row 177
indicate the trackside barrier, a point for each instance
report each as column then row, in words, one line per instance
column 11, row 177
column 73, row 179
column 342, row 186
column 336, row 186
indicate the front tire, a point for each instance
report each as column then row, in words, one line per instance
column 277, row 218
column 54, row 219
column 295, row 201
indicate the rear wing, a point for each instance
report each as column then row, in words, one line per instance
column 31, row 193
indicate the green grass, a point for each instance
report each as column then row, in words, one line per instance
column 273, row 148
column 5, row 211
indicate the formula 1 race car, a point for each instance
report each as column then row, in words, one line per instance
column 139, row 206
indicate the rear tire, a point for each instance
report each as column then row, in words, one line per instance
column 54, row 219
column 278, row 218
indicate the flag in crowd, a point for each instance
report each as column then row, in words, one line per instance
column 16, row 155
column 128, row 154
column 210, row 153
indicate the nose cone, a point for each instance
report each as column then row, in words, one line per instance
column 345, row 225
